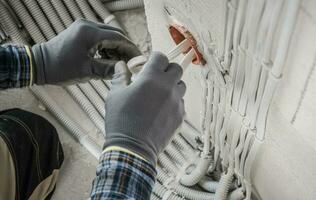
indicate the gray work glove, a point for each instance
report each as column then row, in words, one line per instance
column 69, row 57
column 143, row 116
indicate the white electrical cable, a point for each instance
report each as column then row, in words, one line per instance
column 178, row 49
column 229, row 35
column 283, row 45
column 187, row 59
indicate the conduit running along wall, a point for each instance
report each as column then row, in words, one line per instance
column 237, row 83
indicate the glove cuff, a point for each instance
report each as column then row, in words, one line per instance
column 132, row 145
column 38, row 64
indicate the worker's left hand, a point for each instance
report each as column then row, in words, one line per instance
column 69, row 57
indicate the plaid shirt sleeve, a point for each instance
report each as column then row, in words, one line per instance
column 15, row 66
column 121, row 175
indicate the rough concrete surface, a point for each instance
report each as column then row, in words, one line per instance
column 78, row 169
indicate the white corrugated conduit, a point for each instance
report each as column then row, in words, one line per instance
column 11, row 28
column 215, row 161
column 75, row 129
column 124, row 5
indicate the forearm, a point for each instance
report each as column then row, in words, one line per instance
column 121, row 175
column 16, row 69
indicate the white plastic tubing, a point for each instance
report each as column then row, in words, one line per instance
column 27, row 20
column 124, row 5
column 74, row 128
column 11, row 28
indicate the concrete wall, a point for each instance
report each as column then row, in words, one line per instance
column 286, row 162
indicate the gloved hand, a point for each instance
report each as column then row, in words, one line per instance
column 143, row 116
column 69, row 57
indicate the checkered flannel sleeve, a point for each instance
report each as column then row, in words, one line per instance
column 123, row 176
column 15, row 66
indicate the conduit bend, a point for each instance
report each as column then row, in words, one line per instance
column 224, row 184
column 181, row 190
column 208, row 184
column 205, row 160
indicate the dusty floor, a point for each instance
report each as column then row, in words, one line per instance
column 79, row 166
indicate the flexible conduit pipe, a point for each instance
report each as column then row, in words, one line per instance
column 175, row 154
column 237, row 194
column 224, row 184
column 94, row 97
column 52, row 16
column 73, row 9
column 163, row 193
column 86, row 105
column 74, row 129
column 104, row 13
column 27, row 20
column 40, row 18
column 7, row 22
column 62, row 12
column 183, row 144
column 208, row 184
column 167, row 163
column 277, row 68
column 86, row 10
column 124, row 5
column 201, row 168
column 205, row 160
column 100, row 87
column 154, row 197
column 184, row 191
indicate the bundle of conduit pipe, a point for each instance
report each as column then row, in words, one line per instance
column 214, row 163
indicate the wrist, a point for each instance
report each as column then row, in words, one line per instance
column 122, row 149
column 38, row 64
column 134, row 146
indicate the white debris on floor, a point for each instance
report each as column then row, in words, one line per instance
column 79, row 165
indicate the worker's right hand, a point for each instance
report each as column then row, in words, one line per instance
column 69, row 57
column 143, row 116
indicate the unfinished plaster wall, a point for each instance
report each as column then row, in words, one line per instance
column 285, row 164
